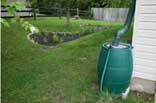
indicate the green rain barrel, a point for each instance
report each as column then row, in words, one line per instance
column 118, row 69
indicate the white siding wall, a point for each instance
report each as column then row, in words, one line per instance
column 144, row 40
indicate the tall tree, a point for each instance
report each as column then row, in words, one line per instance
column 67, row 4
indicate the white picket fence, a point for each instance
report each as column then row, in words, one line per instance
column 110, row 14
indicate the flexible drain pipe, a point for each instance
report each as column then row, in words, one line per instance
column 103, row 73
column 128, row 21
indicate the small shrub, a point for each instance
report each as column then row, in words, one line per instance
column 56, row 38
column 108, row 98
column 65, row 34
column 61, row 39
column 45, row 39
column 38, row 34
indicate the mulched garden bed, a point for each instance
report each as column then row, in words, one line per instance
column 54, row 38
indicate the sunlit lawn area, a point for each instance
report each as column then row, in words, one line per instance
column 67, row 73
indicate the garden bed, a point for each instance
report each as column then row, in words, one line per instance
column 40, row 74
column 54, row 38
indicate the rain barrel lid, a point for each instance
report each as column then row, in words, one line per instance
column 121, row 45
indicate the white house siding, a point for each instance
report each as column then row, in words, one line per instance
column 144, row 40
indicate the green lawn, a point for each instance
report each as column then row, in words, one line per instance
column 67, row 73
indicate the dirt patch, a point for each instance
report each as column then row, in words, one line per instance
column 58, row 99
column 94, row 86
column 147, row 97
column 54, row 38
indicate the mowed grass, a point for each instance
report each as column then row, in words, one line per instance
column 67, row 73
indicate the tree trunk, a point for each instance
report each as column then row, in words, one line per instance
column 60, row 12
column 68, row 17
column 77, row 12
column 34, row 13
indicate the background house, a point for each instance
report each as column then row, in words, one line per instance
column 144, row 42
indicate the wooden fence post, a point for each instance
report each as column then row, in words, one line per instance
column 60, row 12
column 78, row 12
column 68, row 17
column 34, row 13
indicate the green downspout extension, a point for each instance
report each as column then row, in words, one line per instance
column 128, row 21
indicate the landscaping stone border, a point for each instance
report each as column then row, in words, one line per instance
column 54, row 38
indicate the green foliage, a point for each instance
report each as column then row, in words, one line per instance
column 90, row 13
column 34, row 3
column 111, row 3
column 4, row 22
column 61, row 39
column 41, row 74
column 13, row 7
column 117, row 3
column 56, row 38
column 108, row 98
column 3, row 2
column 81, row 4
column 45, row 39
column 88, row 29
column 26, row 25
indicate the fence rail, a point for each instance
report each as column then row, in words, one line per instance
column 43, row 12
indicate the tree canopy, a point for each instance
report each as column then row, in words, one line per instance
column 81, row 4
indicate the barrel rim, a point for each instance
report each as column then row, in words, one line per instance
column 108, row 45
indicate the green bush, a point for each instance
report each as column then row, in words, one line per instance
column 56, row 38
